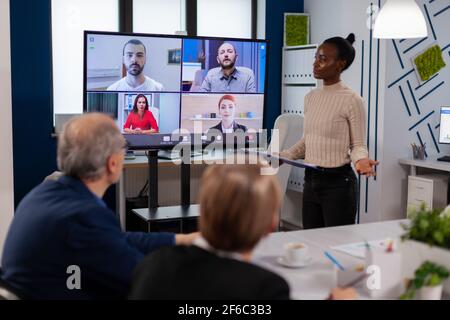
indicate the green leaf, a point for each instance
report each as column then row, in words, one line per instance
column 434, row 280
column 428, row 226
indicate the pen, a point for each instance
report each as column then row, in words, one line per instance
column 333, row 259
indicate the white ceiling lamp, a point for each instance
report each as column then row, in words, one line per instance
column 400, row 19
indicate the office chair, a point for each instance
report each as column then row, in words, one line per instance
column 290, row 129
column 198, row 80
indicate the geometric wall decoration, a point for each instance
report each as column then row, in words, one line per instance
column 422, row 96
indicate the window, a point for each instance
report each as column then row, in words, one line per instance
column 69, row 19
column 159, row 16
column 231, row 18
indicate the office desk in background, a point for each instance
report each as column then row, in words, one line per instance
column 316, row 280
column 428, row 182
column 431, row 163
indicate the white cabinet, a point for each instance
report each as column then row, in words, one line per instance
column 430, row 189
column 297, row 77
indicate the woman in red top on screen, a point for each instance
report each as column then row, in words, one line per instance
column 141, row 119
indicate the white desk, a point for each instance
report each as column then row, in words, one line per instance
column 429, row 164
column 314, row 281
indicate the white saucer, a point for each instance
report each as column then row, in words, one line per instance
column 281, row 260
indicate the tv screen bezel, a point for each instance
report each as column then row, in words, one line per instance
column 181, row 37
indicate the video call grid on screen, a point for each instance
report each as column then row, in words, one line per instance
column 177, row 93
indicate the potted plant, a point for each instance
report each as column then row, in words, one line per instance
column 427, row 282
column 427, row 237
column 429, row 226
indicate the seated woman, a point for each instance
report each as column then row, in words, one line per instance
column 238, row 207
column 141, row 119
column 227, row 110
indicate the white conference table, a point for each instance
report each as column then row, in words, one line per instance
column 315, row 280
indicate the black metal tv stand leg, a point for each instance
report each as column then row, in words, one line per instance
column 152, row 156
column 185, row 181
column 185, row 186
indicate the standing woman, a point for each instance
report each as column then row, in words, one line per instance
column 141, row 119
column 334, row 136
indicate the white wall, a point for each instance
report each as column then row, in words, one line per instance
column 386, row 196
column 6, row 164
column 69, row 19
column 396, row 119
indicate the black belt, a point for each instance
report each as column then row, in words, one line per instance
column 339, row 170
column 345, row 167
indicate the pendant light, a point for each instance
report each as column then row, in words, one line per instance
column 400, row 19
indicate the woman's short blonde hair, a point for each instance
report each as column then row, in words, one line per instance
column 237, row 206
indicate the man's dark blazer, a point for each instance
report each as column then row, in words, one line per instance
column 192, row 273
column 60, row 224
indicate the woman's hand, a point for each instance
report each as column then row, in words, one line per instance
column 277, row 154
column 366, row 167
column 186, row 239
column 343, row 294
column 285, row 154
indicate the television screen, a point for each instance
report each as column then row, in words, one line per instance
column 444, row 129
column 160, row 84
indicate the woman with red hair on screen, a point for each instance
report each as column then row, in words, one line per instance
column 227, row 111
column 141, row 119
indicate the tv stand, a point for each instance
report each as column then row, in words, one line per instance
column 154, row 213
column 169, row 155
column 444, row 158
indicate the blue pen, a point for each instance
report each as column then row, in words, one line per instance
column 333, row 259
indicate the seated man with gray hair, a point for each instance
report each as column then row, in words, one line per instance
column 64, row 243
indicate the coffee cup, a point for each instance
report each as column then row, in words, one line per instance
column 295, row 253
